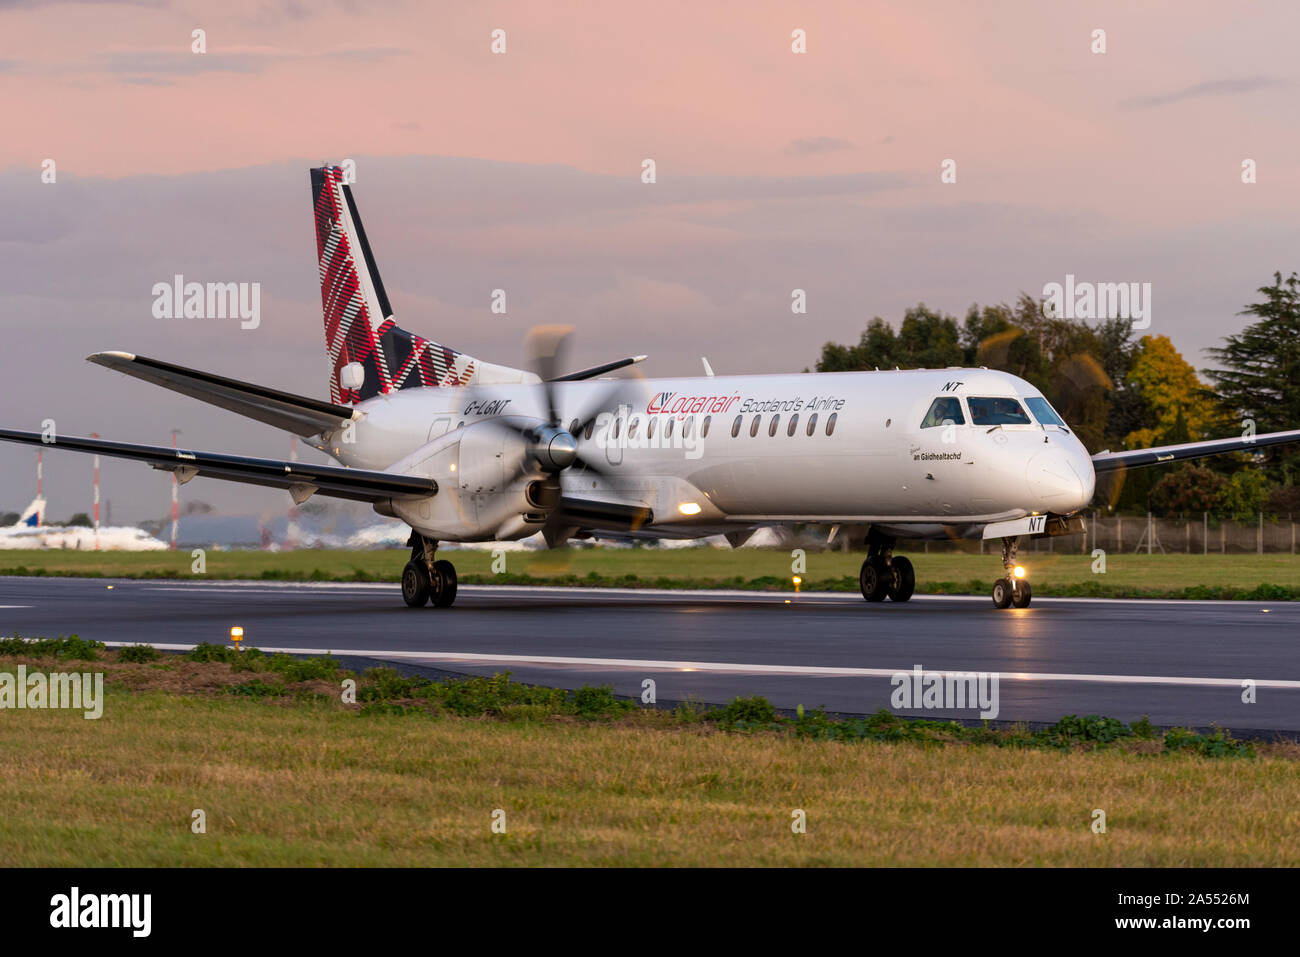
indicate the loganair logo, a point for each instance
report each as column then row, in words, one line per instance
column 673, row 403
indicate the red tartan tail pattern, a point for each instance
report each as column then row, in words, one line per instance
column 358, row 322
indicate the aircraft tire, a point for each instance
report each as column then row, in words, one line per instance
column 874, row 579
column 1002, row 593
column 444, row 583
column 415, row 584
column 902, row 579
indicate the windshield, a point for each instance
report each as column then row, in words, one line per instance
column 1043, row 412
column 996, row 410
column 943, row 411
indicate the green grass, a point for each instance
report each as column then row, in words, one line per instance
column 296, row 777
column 1271, row 577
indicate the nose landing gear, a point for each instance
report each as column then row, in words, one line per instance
column 425, row 580
column 1013, row 589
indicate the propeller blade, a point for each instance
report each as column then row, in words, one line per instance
column 546, row 347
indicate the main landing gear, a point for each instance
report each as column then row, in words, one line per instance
column 425, row 580
column 1014, row 588
column 884, row 574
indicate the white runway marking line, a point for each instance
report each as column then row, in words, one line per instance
column 723, row 667
column 15, row 606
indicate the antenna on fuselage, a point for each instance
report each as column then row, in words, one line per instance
column 708, row 369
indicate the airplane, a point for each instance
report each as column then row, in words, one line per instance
column 463, row 450
column 31, row 532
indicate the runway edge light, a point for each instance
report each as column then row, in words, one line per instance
column 237, row 635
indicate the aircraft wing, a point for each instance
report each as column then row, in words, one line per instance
column 300, row 478
column 1104, row 462
column 283, row 410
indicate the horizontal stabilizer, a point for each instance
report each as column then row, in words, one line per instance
column 283, row 410
column 1104, row 462
column 300, row 478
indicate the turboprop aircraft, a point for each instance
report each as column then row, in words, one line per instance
column 463, row 450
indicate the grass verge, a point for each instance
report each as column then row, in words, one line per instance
column 287, row 773
column 1270, row 577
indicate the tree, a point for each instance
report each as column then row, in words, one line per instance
column 80, row 519
column 925, row 340
column 1181, row 407
column 1246, row 494
column 1260, row 378
column 991, row 337
column 1192, row 488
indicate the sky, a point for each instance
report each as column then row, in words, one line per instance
column 522, row 170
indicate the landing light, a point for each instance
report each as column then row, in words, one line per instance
column 1018, row 571
column 689, row 508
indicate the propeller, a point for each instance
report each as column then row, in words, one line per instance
column 550, row 445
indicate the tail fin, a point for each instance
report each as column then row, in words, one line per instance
column 32, row 515
column 371, row 355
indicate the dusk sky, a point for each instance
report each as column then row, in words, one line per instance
column 521, row 171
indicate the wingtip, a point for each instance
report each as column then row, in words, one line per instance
column 100, row 357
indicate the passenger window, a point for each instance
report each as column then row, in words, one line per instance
column 668, row 429
column 704, row 429
column 812, row 423
column 650, row 428
column 794, row 424
column 997, row 410
column 830, row 423
column 771, row 429
column 735, row 426
column 617, row 424
column 631, row 429
column 688, row 427
column 943, row 410
column 590, row 427
column 753, row 426
column 574, row 426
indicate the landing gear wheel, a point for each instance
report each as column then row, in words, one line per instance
column 415, row 584
column 444, row 583
column 902, row 579
column 1023, row 594
column 874, row 579
column 1002, row 593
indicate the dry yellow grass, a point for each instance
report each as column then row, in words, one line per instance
column 312, row 784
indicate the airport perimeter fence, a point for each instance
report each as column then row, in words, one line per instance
column 1199, row 535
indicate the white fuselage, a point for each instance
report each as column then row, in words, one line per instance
column 877, row 463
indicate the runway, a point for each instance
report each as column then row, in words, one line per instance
column 1181, row 663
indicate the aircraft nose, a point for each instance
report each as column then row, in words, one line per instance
column 1059, row 481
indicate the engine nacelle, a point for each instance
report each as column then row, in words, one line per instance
column 482, row 485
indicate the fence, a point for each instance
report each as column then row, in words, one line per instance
column 1201, row 535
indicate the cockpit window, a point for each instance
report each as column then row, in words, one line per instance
column 942, row 411
column 996, row 411
column 1043, row 412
